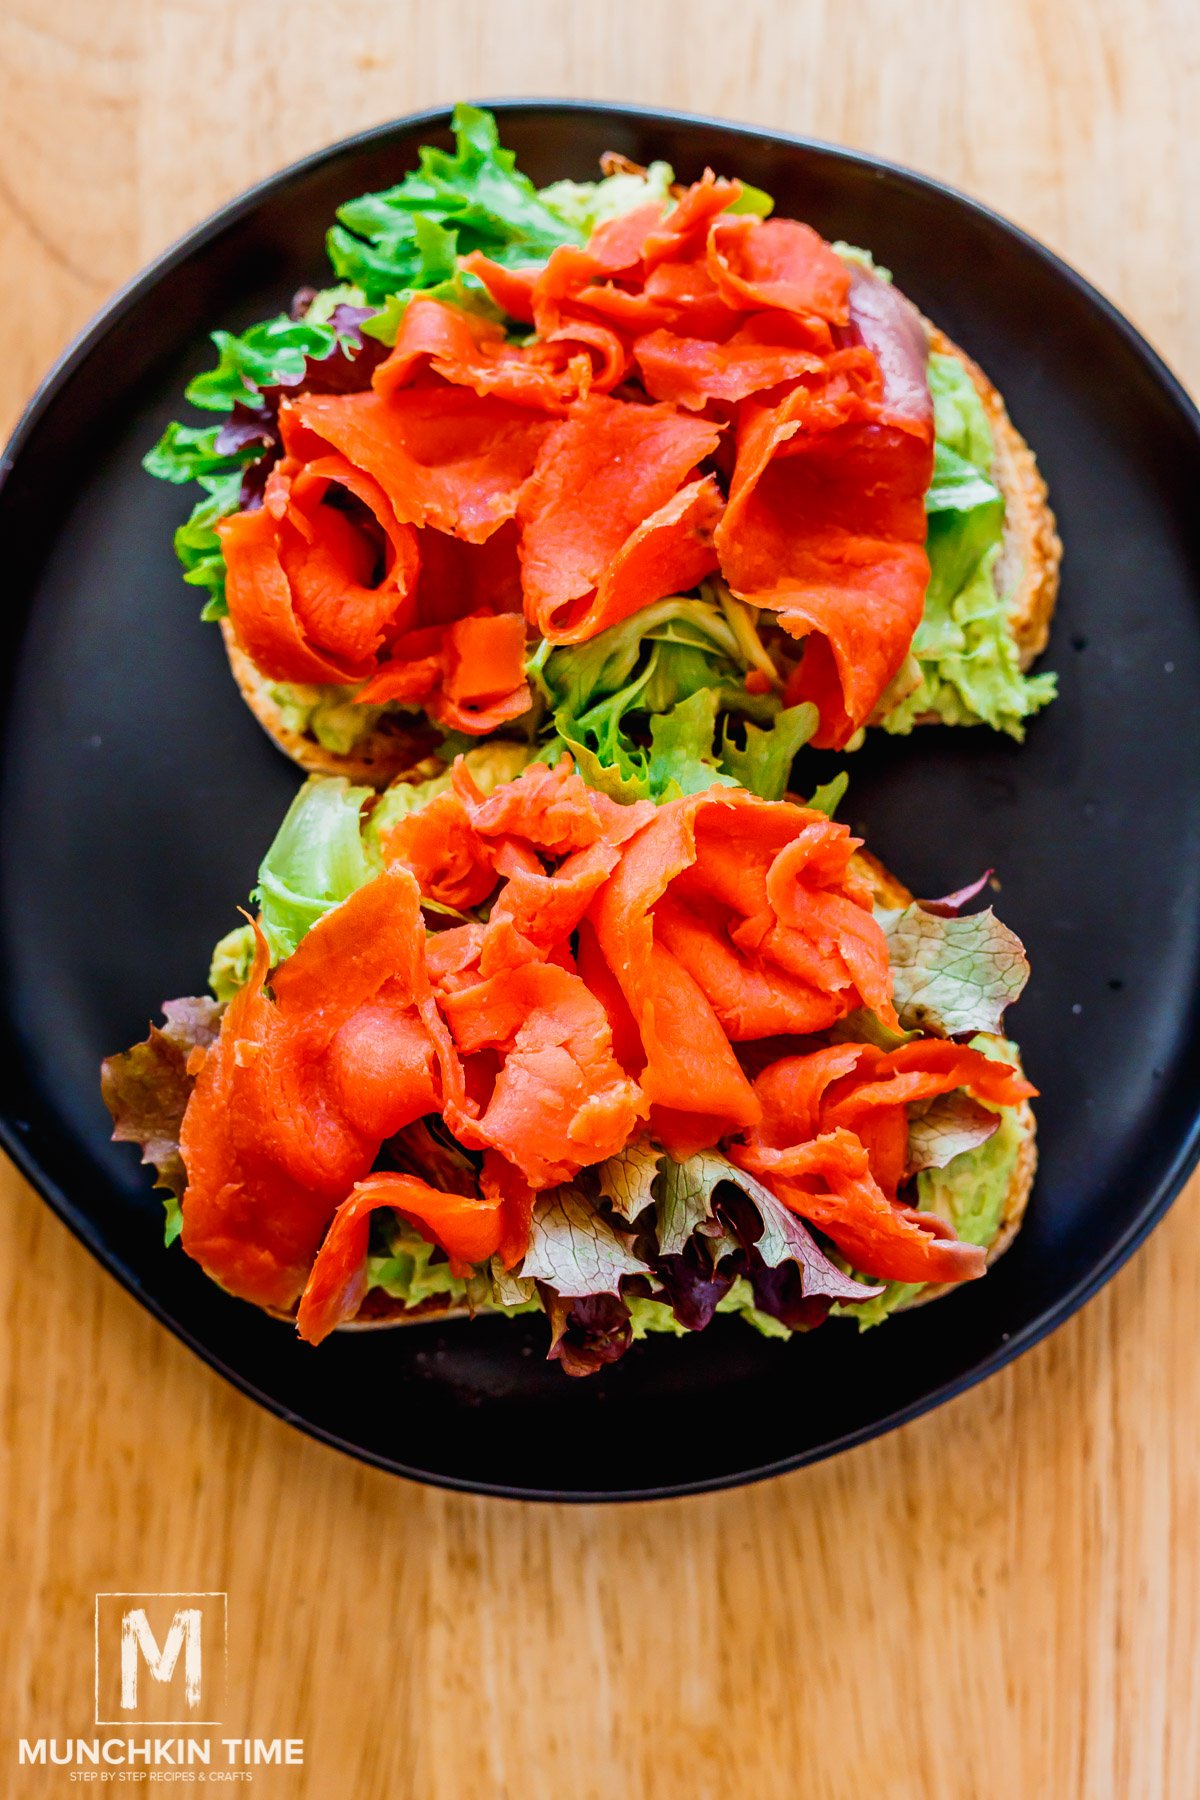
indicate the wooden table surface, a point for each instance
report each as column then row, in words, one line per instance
column 1002, row 1599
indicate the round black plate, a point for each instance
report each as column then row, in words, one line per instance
column 138, row 795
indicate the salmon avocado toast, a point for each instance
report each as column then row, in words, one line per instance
column 497, row 1041
column 626, row 469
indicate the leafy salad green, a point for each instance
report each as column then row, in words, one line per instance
column 966, row 657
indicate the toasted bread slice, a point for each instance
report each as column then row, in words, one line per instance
column 382, row 1309
column 1032, row 554
column 1028, row 566
column 392, row 749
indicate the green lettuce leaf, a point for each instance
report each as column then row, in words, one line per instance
column 828, row 797
column 471, row 198
column 199, row 548
column 752, row 200
column 966, row 662
column 952, row 976
column 681, row 759
column 646, row 1315
column 637, row 705
column 958, row 485
column 462, row 289
column 266, row 353
column 316, row 861
column 582, row 205
column 765, row 764
column 189, row 453
column 740, row 1300
column 408, row 1272
column 325, row 849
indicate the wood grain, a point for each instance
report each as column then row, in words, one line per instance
column 1003, row 1599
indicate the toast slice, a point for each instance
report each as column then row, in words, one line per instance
column 382, row 1309
column 1028, row 567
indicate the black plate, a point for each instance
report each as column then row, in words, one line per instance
column 138, row 795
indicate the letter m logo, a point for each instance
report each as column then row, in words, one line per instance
column 160, row 1658
column 138, row 1644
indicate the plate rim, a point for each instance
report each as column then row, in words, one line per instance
column 50, row 1190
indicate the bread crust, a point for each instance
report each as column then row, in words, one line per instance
column 1031, row 558
column 380, row 757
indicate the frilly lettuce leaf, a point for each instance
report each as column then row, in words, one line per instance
column 198, row 546
column 764, row 765
column 637, row 705
column 681, row 759
column 966, row 662
column 189, row 453
column 273, row 351
column 785, row 1238
column 471, row 198
column 952, row 976
column 583, row 205
column 147, row 1088
column 828, row 797
column 574, row 1249
column 685, row 1196
column 627, row 1179
column 408, row 1272
column 326, row 849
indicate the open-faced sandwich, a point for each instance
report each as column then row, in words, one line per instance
column 499, row 1042
column 623, row 468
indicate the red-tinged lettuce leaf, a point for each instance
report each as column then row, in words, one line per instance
column 627, row 1179
column 574, row 1249
column 949, row 1126
column 686, row 1195
column 707, row 1187
column 780, row 1293
column 691, row 1285
column 782, row 1237
column 950, row 905
column 587, row 1333
column 147, row 1088
column 952, row 976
